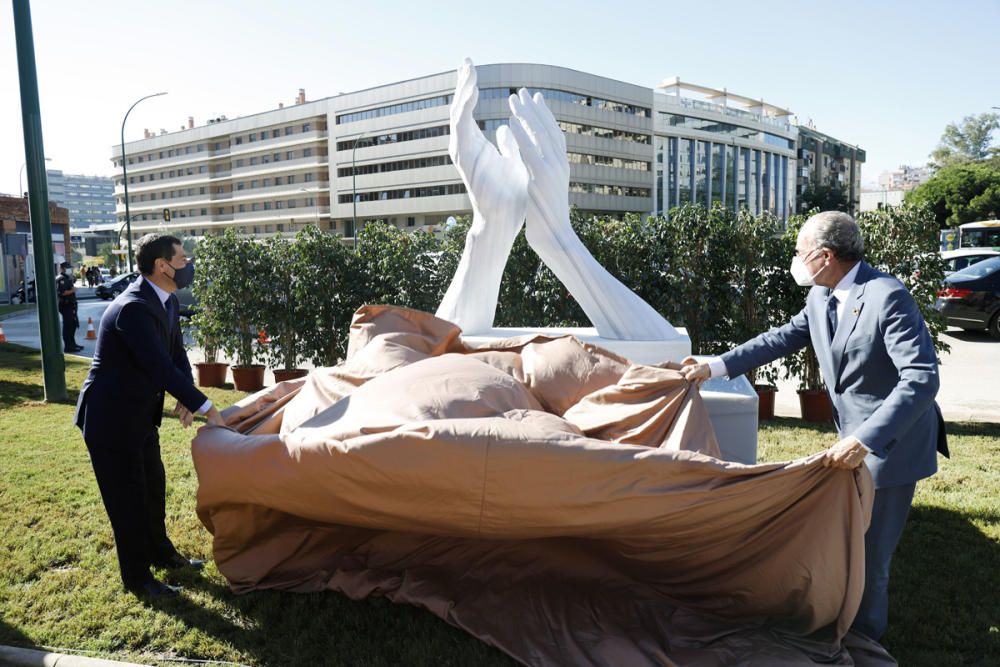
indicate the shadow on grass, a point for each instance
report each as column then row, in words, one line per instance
column 943, row 592
column 279, row 628
column 983, row 429
column 11, row 636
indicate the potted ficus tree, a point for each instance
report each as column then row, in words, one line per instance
column 325, row 293
column 233, row 275
column 282, row 316
column 211, row 372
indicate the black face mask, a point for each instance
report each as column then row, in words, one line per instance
column 183, row 277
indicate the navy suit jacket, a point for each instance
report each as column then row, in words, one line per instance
column 880, row 369
column 139, row 356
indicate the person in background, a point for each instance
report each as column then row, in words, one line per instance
column 66, row 293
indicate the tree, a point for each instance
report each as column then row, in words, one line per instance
column 968, row 141
column 961, row 192
column 824, row 198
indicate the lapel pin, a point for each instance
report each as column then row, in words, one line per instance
column 855, row 312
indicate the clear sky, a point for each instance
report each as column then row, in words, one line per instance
column 887, row 76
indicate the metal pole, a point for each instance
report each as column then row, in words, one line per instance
column 128, row 217
column 53, row 364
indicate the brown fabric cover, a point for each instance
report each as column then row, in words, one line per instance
column 546, row 496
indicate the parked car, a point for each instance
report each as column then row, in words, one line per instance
column 105, row 274
column 956, row 260
column 115, row 286
column 970, row 298
column 188, row 304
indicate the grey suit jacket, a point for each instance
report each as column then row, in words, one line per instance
column 880, row 369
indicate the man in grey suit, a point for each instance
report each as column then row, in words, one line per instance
column 879, row 364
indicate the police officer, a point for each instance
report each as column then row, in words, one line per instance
column 67, row 307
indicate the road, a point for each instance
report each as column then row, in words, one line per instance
column 970, row 373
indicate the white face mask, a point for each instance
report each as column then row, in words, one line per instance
column 801, row 274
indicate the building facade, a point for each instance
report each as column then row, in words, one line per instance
column 905, row 178
column 825, row 161
column 16, row 247
column 382, row 154
column 90, row 200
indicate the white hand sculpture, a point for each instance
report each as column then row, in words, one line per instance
column 616, row 311
column 497, row 185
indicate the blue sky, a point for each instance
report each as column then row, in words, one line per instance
column 885, row 75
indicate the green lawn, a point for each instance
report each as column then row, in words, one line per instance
column 59, row 583
column 15, row 308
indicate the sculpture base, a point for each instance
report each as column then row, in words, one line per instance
column 731, row 404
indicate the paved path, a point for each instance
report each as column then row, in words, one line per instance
column 970, row 373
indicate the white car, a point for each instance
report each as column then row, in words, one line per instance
column 956, row 260
column 105, row 275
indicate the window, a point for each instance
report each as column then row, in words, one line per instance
column 239, row 141
column 289, row 155
column 288, row 130
column 267, row 206
column 393, row 109
column 278, row 180
column 243, row 208
column 204, row 211
column 254, row 184
column 411, row 221
column 291, row 203
column 407, row 193
column 266, row 183
column 275, row 134
column 252, row 137
column 291, row 179
column 201, row 147
column 187, row 150
column 276, row 157
column 239, row 186
column 307, row 152
column 279, row 204
column 253, row 161
column 201, row 190
column 308, row 178
column 306, row 127
column 239, row 163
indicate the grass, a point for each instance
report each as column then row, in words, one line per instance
column 59, row 583
column 15, row 308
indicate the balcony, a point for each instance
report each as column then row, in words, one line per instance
column 281, row 166
column 278, row 142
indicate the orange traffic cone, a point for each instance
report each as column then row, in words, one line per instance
column 3, row 336
column 91, row 334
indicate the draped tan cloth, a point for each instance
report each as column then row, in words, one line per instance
column 545, row 495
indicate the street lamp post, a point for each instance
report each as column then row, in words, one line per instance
column 354, row 184
column 128, row 217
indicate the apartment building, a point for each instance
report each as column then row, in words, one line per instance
column 824, row 160
column 382, row 154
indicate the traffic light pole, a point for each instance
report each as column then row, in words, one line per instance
column 53, row 364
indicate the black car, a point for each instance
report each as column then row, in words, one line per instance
column 115, row 286
column 970, row 298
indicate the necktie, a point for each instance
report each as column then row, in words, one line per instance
column 171, row 306
column 831, row 314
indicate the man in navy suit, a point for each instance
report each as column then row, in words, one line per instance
column 879, row 364
column 139, row 356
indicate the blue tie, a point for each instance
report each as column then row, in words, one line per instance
column 831, row 314
column 171, row 306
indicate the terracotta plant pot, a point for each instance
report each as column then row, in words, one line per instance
column 282, row 375
column 816, row 405
column 765, row 401
column 211, row 374
column 248, row 378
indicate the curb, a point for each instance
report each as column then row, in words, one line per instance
column 25, row 657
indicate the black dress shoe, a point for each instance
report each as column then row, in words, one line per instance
column 178, row 561
column 154, row 589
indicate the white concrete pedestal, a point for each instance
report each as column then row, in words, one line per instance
column 731, row 404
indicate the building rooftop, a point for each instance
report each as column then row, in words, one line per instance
column 723, row 97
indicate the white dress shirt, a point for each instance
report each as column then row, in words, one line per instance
column 164, row 295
